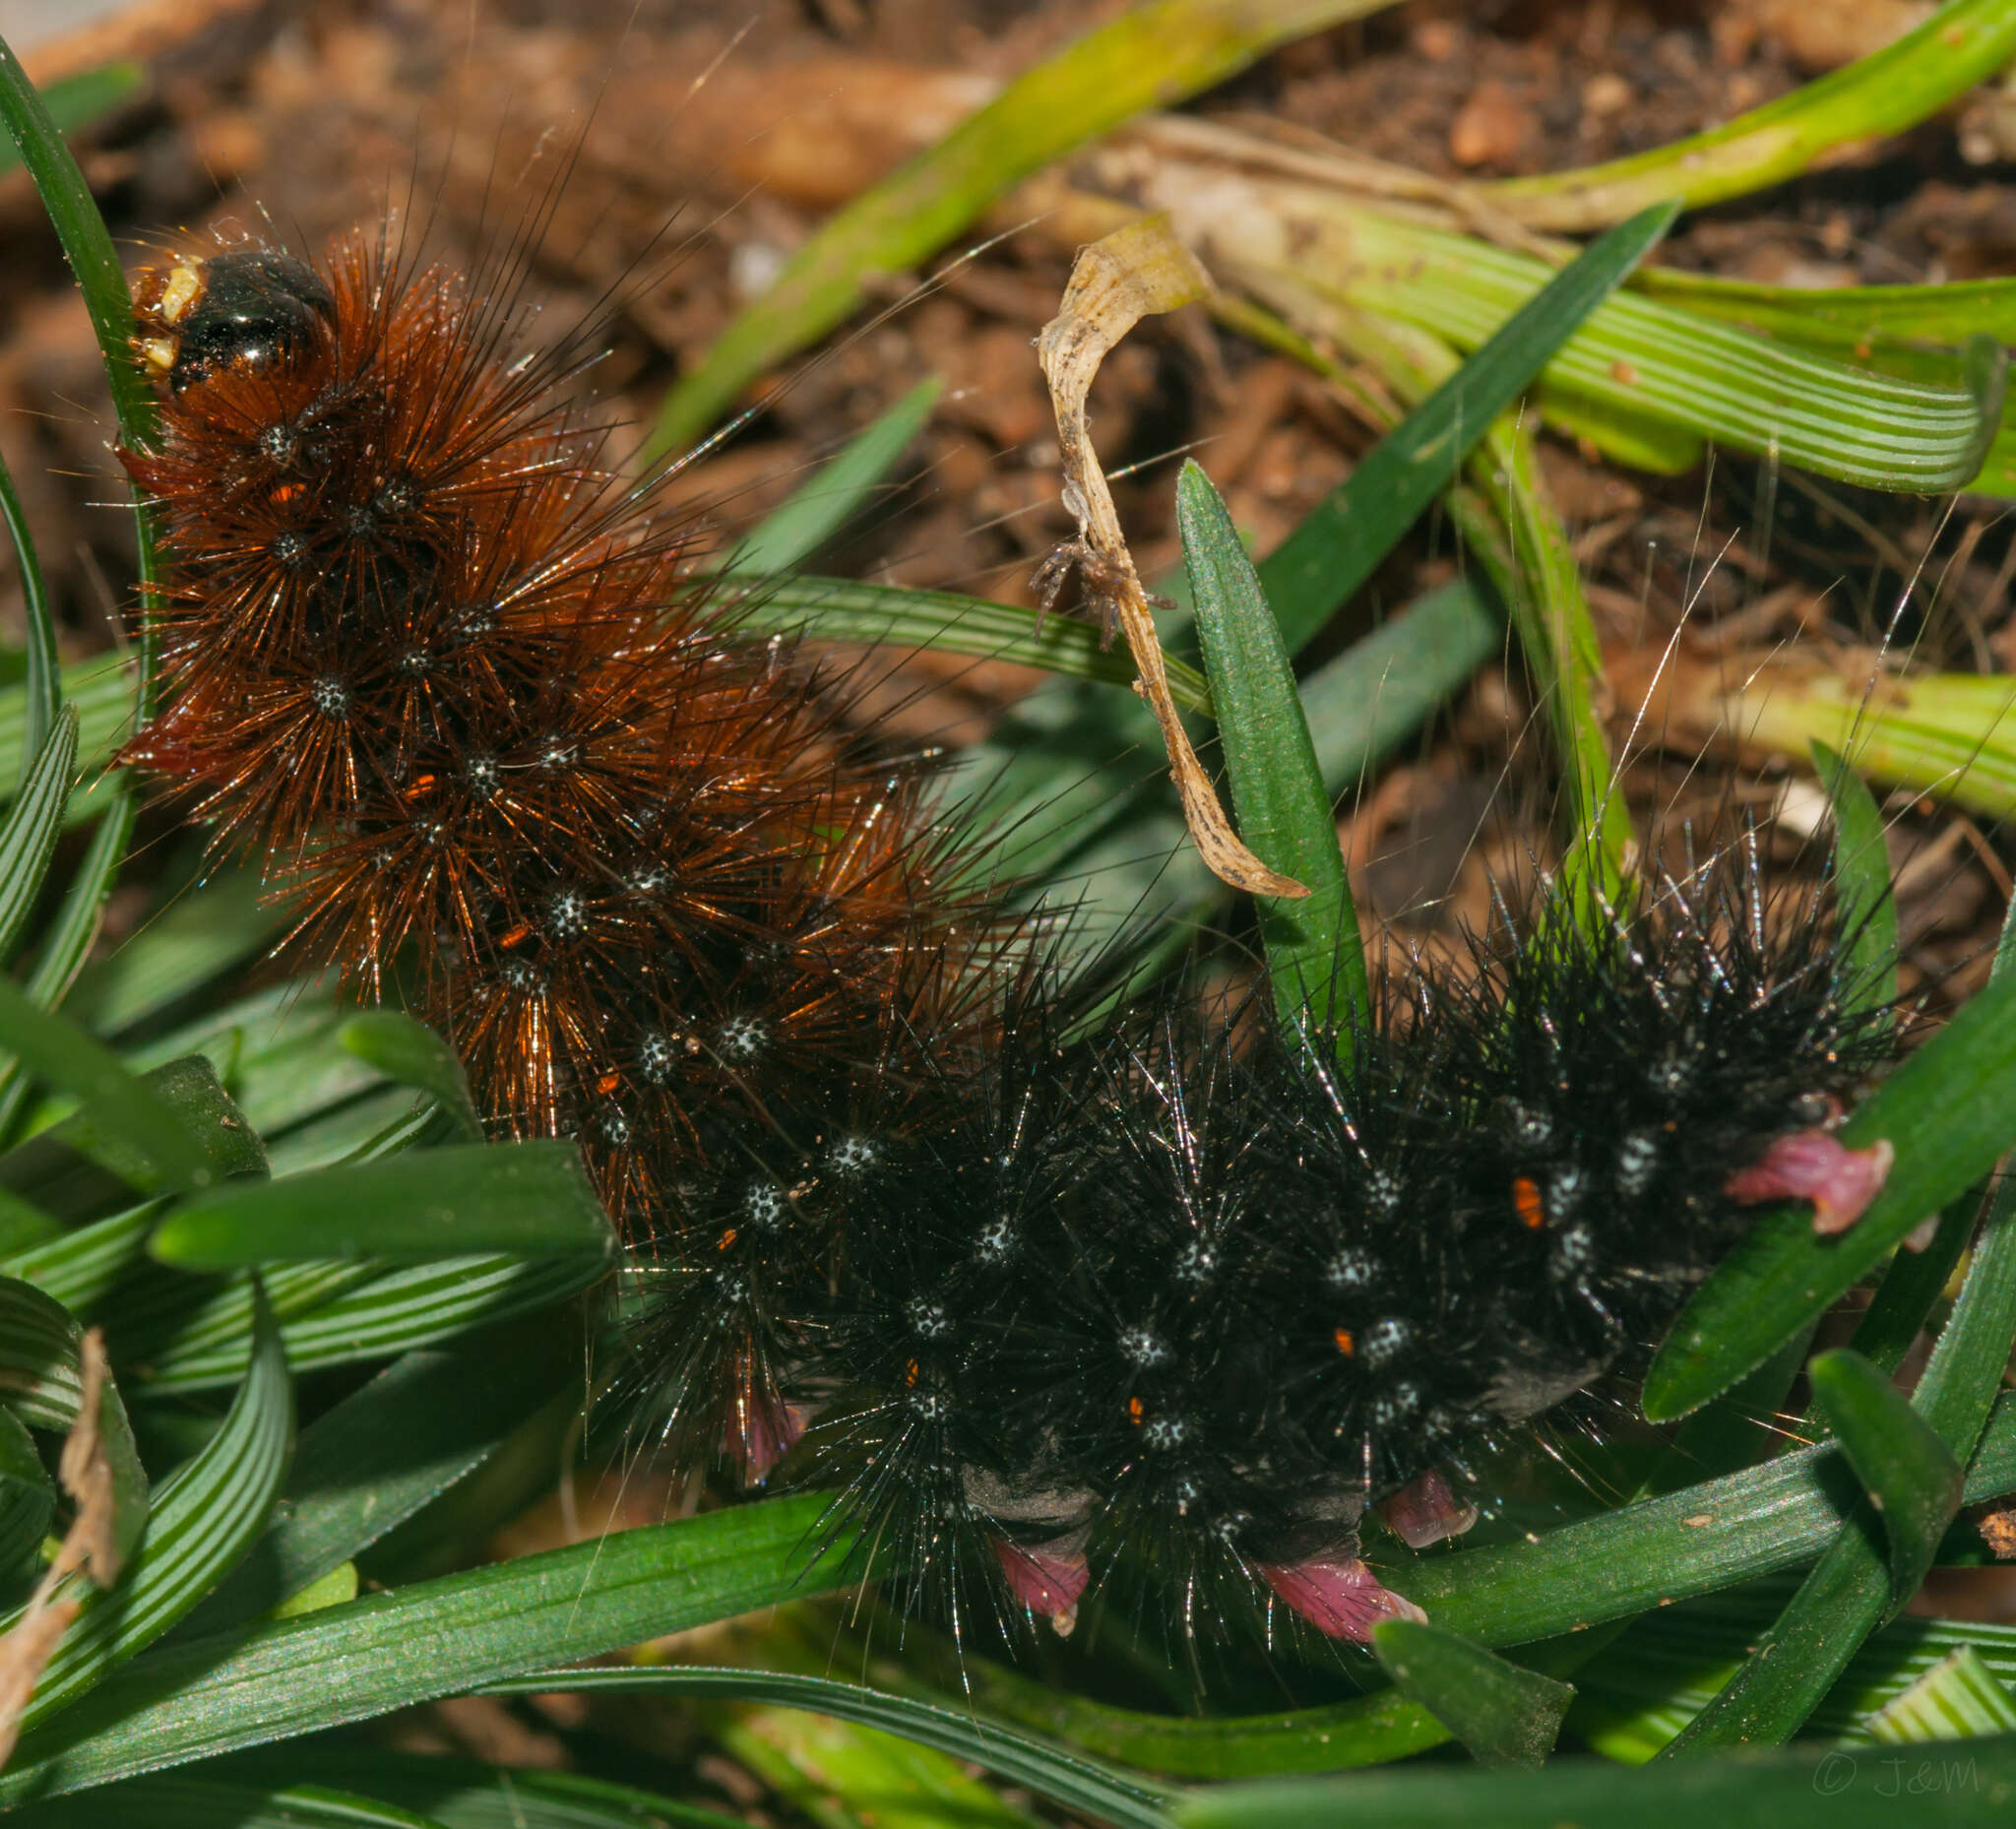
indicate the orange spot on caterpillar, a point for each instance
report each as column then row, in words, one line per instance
column 1346, row 1344
column 608, row 1083
column 726, row 1239
column 1531, row 1210
column 1134, row 1411
column 909, row 1371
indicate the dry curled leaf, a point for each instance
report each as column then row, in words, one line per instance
column 1134, row 272
column 87, row 1475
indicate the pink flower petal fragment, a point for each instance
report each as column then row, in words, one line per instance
column 1342, row 1600
column 1813, row 1164
column 1047, row 1579
column 1425, row 1510
column 763, row 1431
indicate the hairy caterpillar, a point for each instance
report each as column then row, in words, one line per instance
column 1178, row 1295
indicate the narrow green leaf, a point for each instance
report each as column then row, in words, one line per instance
column 1152, row 55
column 390, row 1314
column 414, row 1055
column 1549, row 611
column 1864, row 908
column 28, row 836
column 1850, row 1589
column 1051, row 1770
column 374, row 1460
column 1369, row 1730
column 1339, row 544
column 223, row 922
column 121, row 1105
column 1911, row 1285
column 42, row 1381
column 1958, row 1698
column 791, row 531
column 218, row 1804
column 525, row 1198
column 75, row 101
column 1895, row 87
column 462, row 1794
column 101, row 690
column 79, row 1267
column 203, row 1519
column 1841, row 1788
column 1503, row 1715
column 841, row 609
column 99, row 278
column 1314, row 956
column 1947, row 1112
column 28, row 1498
column 41, row 689
column 80, row 1169
column 70, row 934
column 295, row 1676
column 1705, row 1536
column 1636, row 362
column 1908, row 1471
column 848, row 1777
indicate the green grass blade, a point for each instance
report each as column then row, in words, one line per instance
column 1339, row 544
column 1948, row 1113
column 857, row 1778
column 1850, row 1591
column 81, row 1171
column 28, row 1498
column 224, row 921
column 1908, row 1471
column 68, row 941
column 1152, row 55
column 41, row 689
column 821, row 505
column 1865, row 909
column 96, row 263
column 1904, row 82
column 1958, row 1698
column 1366, row 1731
column 1066, row 1779
column 413, row 1056
column 219, row 1803
column 42, row 1381
column 1635, row 360
column 1504, row 1716
column 1549, row 611
column 1315, row 959
column 839, row 610
column 390, row 1314
column 203, row 1519
column 463, row 1793
column 76, row 101
column 101, row 690
column 374, row 1460
column 352, row 1662
column 1705, row 1536
column 28, row 836
column 1806, row 1785
column 79, row 1267
column 528, row 1199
